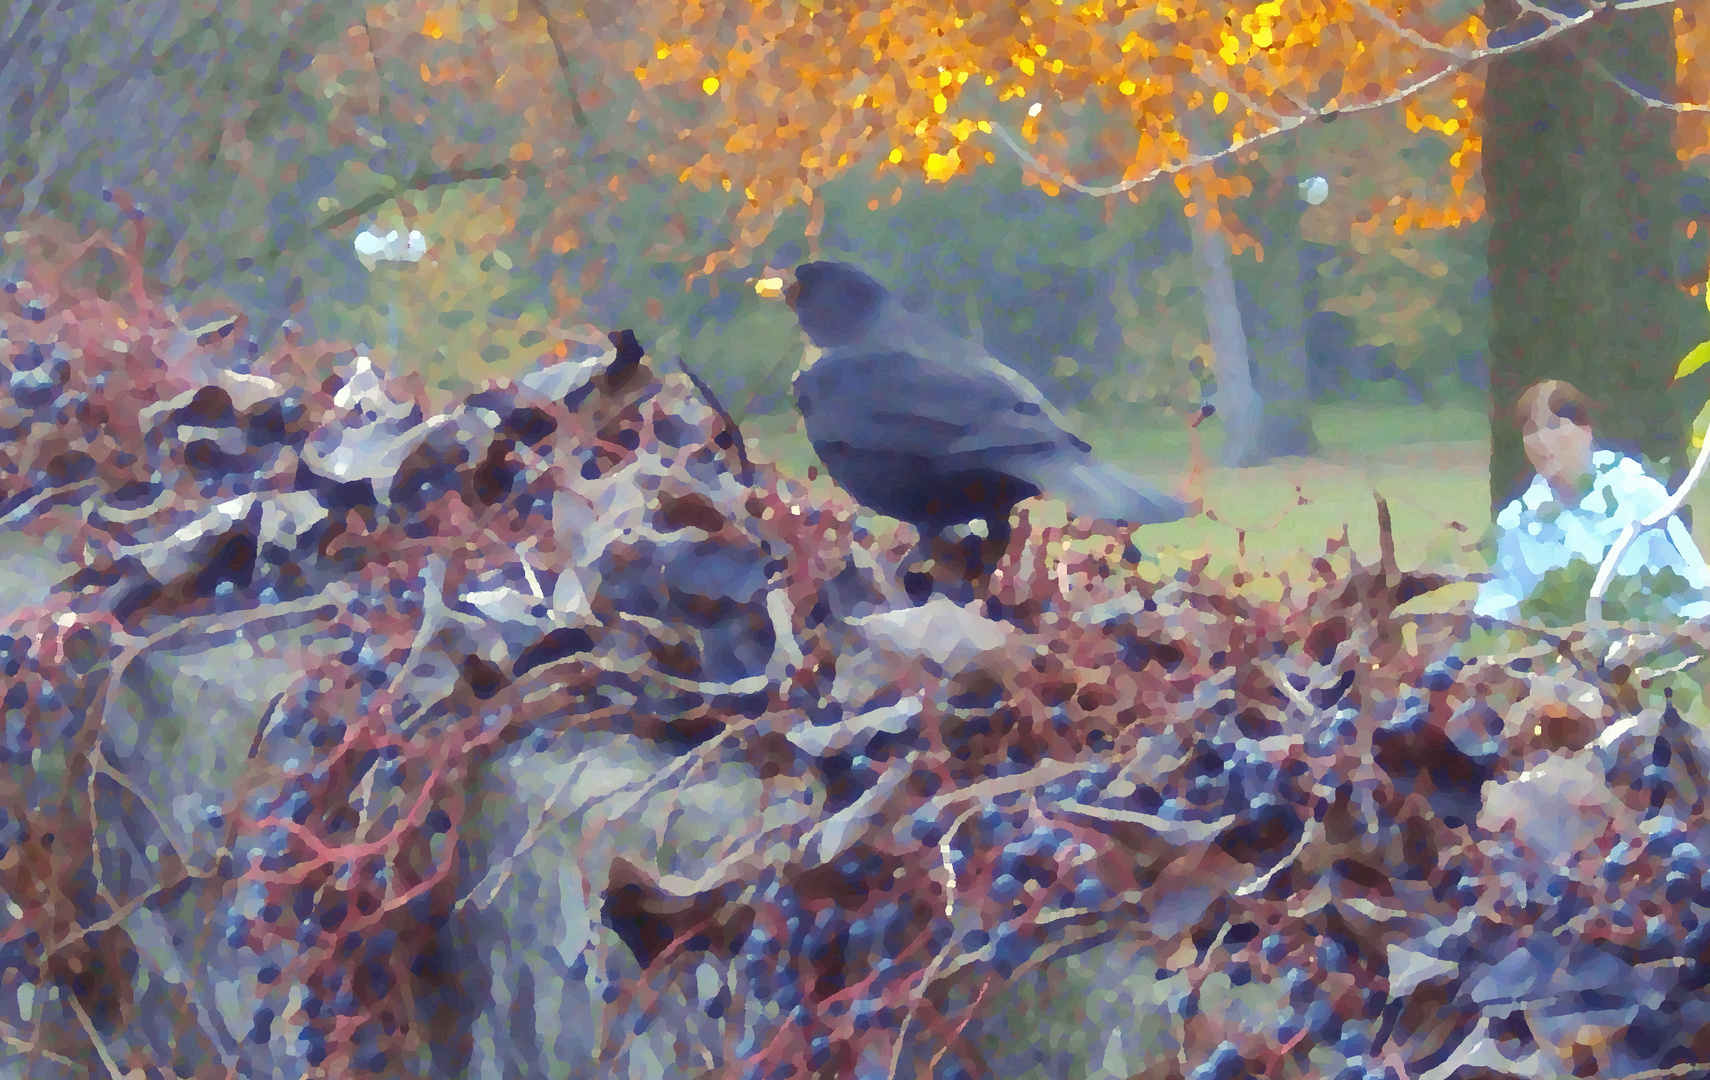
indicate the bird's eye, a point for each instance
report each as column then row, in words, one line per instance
column 1027, row 408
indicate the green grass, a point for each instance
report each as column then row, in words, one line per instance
column 1429, row 464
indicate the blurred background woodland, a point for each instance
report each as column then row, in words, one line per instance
column 1409, row 212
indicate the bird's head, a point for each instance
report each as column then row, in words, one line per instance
column 834, row 302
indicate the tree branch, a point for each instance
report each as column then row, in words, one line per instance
column 25, row 26
column 1638, row 95
column 555, row 35
column 1558, row 25
column 1594, row 604
column 419, row 182
column 1375, row 14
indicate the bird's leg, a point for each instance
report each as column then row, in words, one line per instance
column 1193, row 489
column 998, row 532
column 963, row 570
column 916, row 576
column 992, row 550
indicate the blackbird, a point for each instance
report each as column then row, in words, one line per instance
column 923, row 426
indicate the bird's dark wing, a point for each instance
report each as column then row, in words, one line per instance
column 903, row 402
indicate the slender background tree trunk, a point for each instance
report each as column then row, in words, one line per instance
column 1273, row 307
column 1237, row 402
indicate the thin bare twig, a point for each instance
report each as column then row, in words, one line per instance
column 106, row 1055
column 1640, row 96
column 555, row 34
column 1257, row 885
column 1458, row 62
column 29, row 507
column 1376, row 14
column 1594, row 603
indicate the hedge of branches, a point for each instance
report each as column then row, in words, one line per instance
column 1297, row 793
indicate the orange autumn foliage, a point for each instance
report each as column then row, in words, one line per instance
column 772, row 99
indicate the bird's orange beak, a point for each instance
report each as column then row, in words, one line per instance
column 769, row 287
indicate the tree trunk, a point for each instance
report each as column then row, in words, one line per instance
column 1273, row 308
column 1582, row 183
column 1259, row 347
column 1237, row 401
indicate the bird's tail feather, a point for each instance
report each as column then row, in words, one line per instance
column 1091, row 488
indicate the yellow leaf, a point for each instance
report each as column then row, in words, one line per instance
column 1219, row 102
column 1127, row 87
column 710, row 85
column 896, row 155
column 1695, row 359
column 1025, row 63
column 942, row 166
column 939, row 103
column 1231, row 47
column 1700, row 425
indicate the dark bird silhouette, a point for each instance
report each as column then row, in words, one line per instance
column 921, row 425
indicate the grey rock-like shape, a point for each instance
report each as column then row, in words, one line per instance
column 29, row 571
column 189, row 547
column 949, row 642
column 558, row 382
column 288, row 518
column 1557, row 810
column 33, row 388
column 529, row 631
column 714, row 594
column 558, row 820
column 860, row 589
column 370, row 452
column 227, row 397
column 356, row 455
column 643, row 559
column 179, row 735
column 364, row 398
column 1543, row 968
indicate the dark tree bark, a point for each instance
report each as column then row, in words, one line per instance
column 1582, row 183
